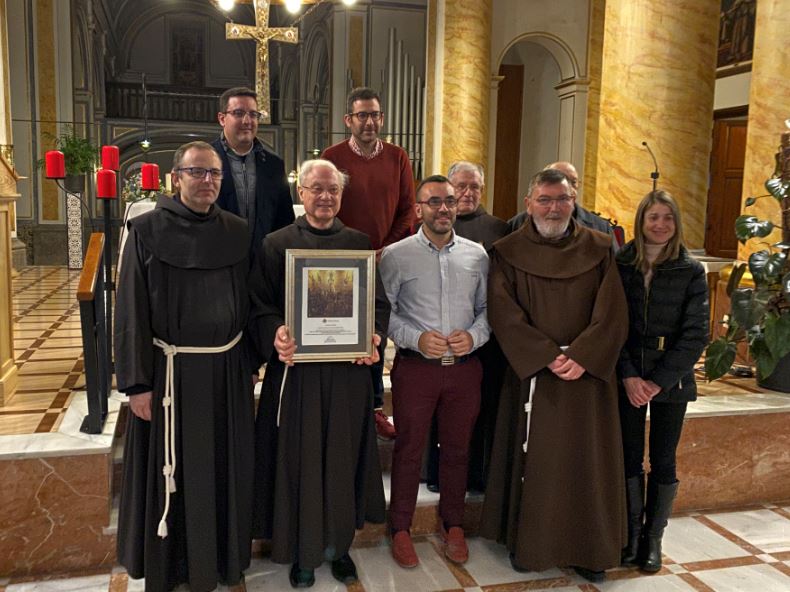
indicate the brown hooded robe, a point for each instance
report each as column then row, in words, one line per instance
column 562, row 503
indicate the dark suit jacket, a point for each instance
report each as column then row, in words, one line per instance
column 273, row 203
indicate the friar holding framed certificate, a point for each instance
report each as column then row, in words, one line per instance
column 319, row 310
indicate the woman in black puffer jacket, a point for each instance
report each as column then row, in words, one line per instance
column 668, row 329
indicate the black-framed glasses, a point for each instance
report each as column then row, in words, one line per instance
column 201, row 172
column 317, row 191
column 436, row 202
column 363, row 116
column 241, row 114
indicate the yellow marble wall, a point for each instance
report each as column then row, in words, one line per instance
column 594, row 66
column 47, row 102
column 465, row 85
column 657, row 84
column 430, row 85
column 769, row 106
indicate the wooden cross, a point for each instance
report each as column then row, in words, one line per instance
column 261, row 33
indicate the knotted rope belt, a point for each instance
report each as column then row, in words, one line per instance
column 168, row 403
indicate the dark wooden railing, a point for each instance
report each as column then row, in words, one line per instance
column 125, row 101
column 91, row 296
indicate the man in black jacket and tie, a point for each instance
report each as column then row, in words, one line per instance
column 254, row 185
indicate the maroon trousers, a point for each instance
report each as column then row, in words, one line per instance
column 420, row 389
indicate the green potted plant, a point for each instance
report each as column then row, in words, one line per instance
column 80, row 155
column 760, row 315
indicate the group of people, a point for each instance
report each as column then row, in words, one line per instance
column 529, row 351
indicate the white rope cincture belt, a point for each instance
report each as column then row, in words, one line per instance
column 280, row 400
column 528, row 407
column 168, row 404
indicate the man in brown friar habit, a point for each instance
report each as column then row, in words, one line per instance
column 556, row 305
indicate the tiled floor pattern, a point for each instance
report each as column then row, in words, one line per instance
column 740, row 551
column 48, row 350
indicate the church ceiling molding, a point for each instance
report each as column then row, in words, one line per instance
column 559, row 50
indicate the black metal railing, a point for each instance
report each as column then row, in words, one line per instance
column 98, row 374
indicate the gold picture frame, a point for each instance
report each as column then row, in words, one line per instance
column 330, row 300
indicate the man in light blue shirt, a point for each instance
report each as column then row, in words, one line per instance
column 436, row 283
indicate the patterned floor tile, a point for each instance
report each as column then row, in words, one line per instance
column 764, row 529
column 752, row 578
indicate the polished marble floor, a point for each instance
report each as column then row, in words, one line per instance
column 738, row 551
column 47, row 349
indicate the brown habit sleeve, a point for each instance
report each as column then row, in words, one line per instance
column 527, row 350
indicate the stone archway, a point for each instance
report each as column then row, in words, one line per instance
column 543, row 121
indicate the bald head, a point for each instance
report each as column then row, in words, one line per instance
column 568, row 169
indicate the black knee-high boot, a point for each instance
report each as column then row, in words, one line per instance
column 660, row 497
column 635, row 500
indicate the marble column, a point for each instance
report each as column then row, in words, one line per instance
column 594, row 65
column 8, row 197
column 657, row 83
column 459, row 81
column 8, row 369
column 769, row 106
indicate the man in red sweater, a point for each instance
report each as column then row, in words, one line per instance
column 379, row 198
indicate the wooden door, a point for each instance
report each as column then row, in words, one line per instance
column 508, row 141
column 724, row 196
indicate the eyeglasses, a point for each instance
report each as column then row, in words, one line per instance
column 201, row 172
column 362, row 116
column 316, row 191
column 473, row 187
column 547, row 202
column 241, row 114
column 436, row 202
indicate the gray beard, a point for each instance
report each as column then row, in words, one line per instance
column 552, row 229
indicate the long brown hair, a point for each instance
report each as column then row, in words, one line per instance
column 672, row 248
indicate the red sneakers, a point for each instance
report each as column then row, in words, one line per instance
column 384, row 429
column 455, row 545
column 403, row 550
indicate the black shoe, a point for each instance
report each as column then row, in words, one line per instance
column 301, row 578
column 432, row 487
column 344, row 570
column 516, row 566
column 591, row 575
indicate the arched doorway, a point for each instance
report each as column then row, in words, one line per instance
column 537, row 116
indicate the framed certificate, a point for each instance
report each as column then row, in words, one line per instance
column 330, row 303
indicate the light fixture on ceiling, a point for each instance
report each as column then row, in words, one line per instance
column 293, row 6
column 349, row 2
column 226, row 5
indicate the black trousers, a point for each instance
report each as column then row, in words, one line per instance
column 666, row 424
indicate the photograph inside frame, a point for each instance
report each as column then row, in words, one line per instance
column 330, row 303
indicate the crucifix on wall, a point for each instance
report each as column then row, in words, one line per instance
column 261, row 33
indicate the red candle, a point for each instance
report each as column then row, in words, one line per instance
column 56, row 164
column 110, row 158
column 150, row 177
column 106, row 187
